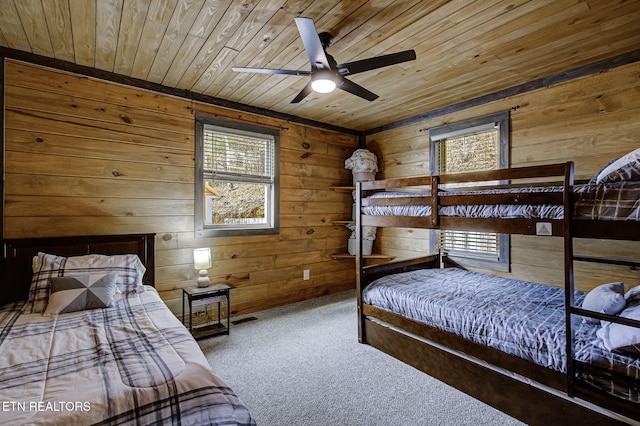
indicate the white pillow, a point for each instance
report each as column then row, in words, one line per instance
column 625, row 160
column 128, row 267
column 605, row 299
column 621, row 337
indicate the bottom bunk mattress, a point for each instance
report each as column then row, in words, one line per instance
column 133, row 363
column 516, row 317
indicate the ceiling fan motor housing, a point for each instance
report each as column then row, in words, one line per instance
column 326, row 39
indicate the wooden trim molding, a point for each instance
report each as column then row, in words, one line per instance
column 600, row 66
column 582, row 71
column 58, row 64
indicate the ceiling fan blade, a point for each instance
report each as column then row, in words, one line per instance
column 356, row 89
column 306, row 91
column 312, row 44
column 272, row 71
column 355, row 67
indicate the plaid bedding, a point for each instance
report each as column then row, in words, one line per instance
column 609, row 201
column 613, row 201
column 134, row 363
column 517, row 317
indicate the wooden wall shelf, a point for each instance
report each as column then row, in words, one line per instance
column 375, row 257
column 342, row 188
column 370, row 256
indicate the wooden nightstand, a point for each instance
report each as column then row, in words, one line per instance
column 202, row 296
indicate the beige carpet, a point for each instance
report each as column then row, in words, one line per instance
column 302, row 365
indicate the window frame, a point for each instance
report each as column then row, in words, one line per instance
column 471, row 259
column 206, row 231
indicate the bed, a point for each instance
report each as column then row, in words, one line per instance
column 535, row 381
column 603, row 210
column 65, row 360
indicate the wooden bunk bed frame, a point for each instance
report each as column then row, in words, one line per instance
column 520, row 388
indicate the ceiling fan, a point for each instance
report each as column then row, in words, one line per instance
column 326, row 74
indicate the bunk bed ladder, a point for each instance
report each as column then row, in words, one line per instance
column 575, row 386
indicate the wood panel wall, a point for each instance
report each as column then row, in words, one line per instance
column 587, row 120
column 85, row 156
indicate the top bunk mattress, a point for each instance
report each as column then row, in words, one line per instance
column 609, row 201
column 517, row 317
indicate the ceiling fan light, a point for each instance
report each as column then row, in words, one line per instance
column 323, row 85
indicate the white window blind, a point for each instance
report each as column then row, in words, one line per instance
column 243, row 155
column 474, row 150
column 480, row 243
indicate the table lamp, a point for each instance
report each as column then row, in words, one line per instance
column 202, row 261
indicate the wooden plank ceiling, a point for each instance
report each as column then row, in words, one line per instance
column 465, row 49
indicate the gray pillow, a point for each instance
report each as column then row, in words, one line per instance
column 82, row 292
column 605, row 299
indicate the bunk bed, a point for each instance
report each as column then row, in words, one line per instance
column 66, row 360
column 409, row 308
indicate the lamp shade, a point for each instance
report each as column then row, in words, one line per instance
column 202, row 261
column 202, row 258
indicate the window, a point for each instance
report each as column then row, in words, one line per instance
column 468, row 146
column 237, row 181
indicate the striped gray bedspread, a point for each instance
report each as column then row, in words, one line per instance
column 131, row 364
column 614, row 201
column 517, row 317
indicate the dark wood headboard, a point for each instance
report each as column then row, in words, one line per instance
column 17, row 255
